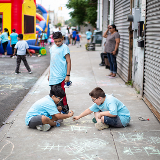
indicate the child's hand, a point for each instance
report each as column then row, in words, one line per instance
column 30, row 55
column 99, row 116
column 70, row 113
column 48, row 78
column 75, row 118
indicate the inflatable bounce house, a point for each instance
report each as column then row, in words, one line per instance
column 21, row 16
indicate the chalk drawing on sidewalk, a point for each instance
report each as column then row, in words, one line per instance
column 150, row 150
column 6, row 146
column 51, row 147
column 137, row 138
column 87, row 157
column 76, row 128
column 80, row 146
column 77, row 146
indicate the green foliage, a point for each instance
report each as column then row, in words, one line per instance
column 59, row 25
column 129, row 83
column 83, row 10
column 71, row 22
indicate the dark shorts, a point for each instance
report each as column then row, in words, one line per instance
column 35, row 121
column 113, row 121
column 88, row 38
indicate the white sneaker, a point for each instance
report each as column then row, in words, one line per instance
column 101, row 126
column 30, row 72
column 44, row 127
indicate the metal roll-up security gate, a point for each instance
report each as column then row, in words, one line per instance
column 105, row 19
column 152, row 57
column 121, row 11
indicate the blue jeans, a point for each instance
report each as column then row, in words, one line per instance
column 112, row 62
column 113, row 121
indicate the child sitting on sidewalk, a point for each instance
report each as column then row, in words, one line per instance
column 108, row 110
column 21, row 47
column 44, row 113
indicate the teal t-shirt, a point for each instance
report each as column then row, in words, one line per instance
column 13, row 37
column 44, row 106
column 58, row 64
column 44, row 35
column 4, row 37
column 88, row 33
column 115, row 107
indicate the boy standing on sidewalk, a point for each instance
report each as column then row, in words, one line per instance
column 60, row 66
column 108, row 110
column 44, row 113
column 21, row 47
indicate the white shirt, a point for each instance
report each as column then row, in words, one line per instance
column 21, row 47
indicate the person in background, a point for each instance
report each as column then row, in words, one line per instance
column 42, row 38
column 94, row 34
column 70, row 36
column 73, row 37
column 111, row 48
column 45, row 38
column 88, row 33
column 67, row 36
column 78, row 39
column 21, row 47
column 13, row 40
column 4, row 38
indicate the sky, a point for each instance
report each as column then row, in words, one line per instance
column 54, row 5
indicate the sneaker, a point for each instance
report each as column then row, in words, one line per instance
column 94, row 120
column 17, row 72
column 101, row 64
column 101, row 126
column 67, row 84
column 30, row 72
column 44, row 127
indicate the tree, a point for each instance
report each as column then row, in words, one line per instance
column 71, row 22
column 83, row 10
column 58, row 24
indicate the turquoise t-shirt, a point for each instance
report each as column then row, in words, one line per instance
column 4, row 37
column 13, row 37
column 58, row 64
column 88, row 33
column 115, row 107
column 43, row 36
column 44, row 106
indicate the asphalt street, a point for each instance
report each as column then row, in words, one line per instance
column 13, row 88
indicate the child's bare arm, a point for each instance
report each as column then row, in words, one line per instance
column 68, row 59
column 106, row 113
column 64, row 116
column 85, row 113
column 29, row 52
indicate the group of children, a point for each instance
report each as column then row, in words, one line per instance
column 53, row 108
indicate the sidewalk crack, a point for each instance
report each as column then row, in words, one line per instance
column 114, row 143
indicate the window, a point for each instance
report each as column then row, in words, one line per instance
column 1, row 21
column 28, row 24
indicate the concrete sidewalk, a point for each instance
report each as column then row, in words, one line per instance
column 81, row 140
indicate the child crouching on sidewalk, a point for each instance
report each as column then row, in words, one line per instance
column 44, row 113
column 21, row 47
column 108, row 110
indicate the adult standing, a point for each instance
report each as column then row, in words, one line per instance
column 13, row 40
column 88, row 33
column 111, row 47
column 4, row 37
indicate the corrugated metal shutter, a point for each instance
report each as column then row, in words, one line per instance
column 121, row 11
column 105, row 19
column 152, row 55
